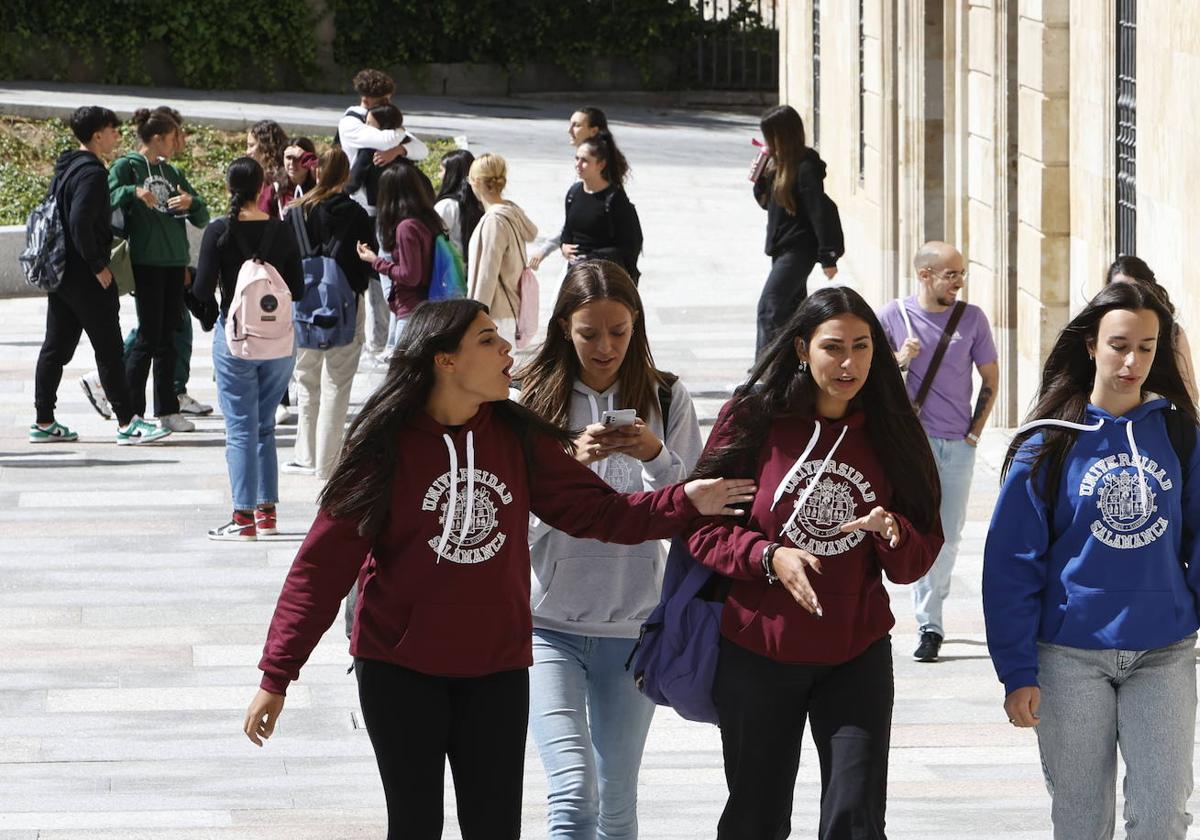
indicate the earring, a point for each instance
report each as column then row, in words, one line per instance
column 803, row 367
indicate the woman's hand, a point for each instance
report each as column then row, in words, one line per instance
column 569, row 251
column 1022, row 706
column 643, row 443
column 595, row 443
column 713, row 496
column 789, row 566
column 145, row 196
column 181, row 202
column 365, row 253
column 878, row 520
column 261, row 716
column 536, row 260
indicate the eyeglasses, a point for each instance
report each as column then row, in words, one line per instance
column 952, row 275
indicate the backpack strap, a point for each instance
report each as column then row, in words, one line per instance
column 938, row 354
column 296, row 219
column 665, row 389
column 264, row 244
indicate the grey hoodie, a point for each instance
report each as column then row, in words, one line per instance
column 591, row 588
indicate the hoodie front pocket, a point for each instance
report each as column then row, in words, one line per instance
column 1133, row 620
column 600, row 588
column 465, row 639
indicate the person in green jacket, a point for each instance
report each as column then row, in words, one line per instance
column 155, row 198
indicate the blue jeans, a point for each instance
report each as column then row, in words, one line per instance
column 395, row 326
column 955, row 463
column 248, row 391
column 590, row 725
column 1094, row 702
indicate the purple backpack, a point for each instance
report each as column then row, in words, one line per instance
column 675, row 660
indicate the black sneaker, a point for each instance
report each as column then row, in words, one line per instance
column 928, row 649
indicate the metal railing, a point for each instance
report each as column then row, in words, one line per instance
column 1126, row 133
column 737, row 47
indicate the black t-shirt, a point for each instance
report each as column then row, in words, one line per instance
column 219, row 264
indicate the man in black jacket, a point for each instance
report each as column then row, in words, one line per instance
column 87, row 300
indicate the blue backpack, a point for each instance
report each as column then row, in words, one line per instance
column 448, row 278
column 675, row 659
column 326, row 315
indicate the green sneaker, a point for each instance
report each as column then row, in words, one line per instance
column 138, row 432
column 54, row 433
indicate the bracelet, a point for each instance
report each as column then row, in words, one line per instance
column 974, row 438
column 768, row 562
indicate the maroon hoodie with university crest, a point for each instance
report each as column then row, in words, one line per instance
column 813, row 476
column 444, row 588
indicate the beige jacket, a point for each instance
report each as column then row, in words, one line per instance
column 497, row 258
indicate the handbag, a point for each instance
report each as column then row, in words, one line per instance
column 121, row 265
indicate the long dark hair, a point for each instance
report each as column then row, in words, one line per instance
column 1069, row 375
column 361, row 485
column 1137, row 269
column 404, row 193
column 244, row 178
column 783, row 132
column 456, row 186
column 778, row 387
column 547, row 380
column 604, row 147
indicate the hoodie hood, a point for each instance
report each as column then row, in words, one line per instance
column 80, row 156
column 526, row 229
column 812, row 165
column 1113, row 565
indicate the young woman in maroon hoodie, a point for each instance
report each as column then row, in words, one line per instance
column 851, row 492
column 428, row 509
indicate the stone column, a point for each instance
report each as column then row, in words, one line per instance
column 1043, row 187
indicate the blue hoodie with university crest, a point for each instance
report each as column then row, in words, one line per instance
column 1114, row 565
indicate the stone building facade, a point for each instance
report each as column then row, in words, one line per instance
column 1042, row 137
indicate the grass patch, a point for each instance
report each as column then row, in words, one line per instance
column 28, row 149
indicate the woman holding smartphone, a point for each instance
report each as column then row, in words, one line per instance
column 428, row 510
column 639, row 432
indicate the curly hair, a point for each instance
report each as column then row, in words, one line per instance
column 374, row 84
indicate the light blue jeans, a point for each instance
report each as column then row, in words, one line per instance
column 1096, row 701
column 395, row 326
column 955, row 463
column 248, row 392
column 590, row 725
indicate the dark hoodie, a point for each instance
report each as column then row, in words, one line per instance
column 342, row 219
column 812, row 230
column 813, row 476
column 83, row 197
column 438, row 597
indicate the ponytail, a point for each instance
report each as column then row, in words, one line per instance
column 604, row 147
column 244, row 178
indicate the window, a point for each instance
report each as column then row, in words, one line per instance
column 816, row 73
column 1126, row 134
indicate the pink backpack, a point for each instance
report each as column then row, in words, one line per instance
column 259, row 323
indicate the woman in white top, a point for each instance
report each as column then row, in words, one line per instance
column 456, row 202
column 496, row 251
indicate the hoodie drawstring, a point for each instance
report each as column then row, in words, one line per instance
column 812, row 442
column 1084, row 427
column 600, row 467
column 812, row 484
column 452, row 502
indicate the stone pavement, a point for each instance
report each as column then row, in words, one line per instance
column 128, row 642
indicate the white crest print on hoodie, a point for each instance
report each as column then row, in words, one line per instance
column 469, row 520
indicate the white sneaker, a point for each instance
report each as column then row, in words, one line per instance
column 176, row 423
column 292, row 468
column 189, row 405
column 94, row 391
column 284, row 416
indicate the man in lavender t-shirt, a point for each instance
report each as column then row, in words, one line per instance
column 951, row 424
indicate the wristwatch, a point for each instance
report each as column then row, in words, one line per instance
column 974, row 438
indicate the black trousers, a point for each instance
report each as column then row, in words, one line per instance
column 81, row 305
column 785, row 289
column 158, row 292
column 417, row 721
column 762, row 707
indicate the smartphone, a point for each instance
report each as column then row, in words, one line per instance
column 619, row 418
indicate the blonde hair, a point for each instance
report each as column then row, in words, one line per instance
column 490, row 172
